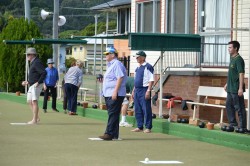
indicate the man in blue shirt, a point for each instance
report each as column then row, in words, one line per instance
column 50, row 84
column 114, row 91
column 144, row 79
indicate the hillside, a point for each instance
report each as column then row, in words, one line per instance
column 77, row 19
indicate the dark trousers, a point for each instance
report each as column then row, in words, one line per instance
column 235, row 103
column 65, row 99
column 53, row 92
column 71, row 93
column 142, row 107
column 114, row 109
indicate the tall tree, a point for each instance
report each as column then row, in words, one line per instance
column 12, row 57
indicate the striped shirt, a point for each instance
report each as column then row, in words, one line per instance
column 74, row 76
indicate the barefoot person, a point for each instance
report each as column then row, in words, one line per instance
column 37, row 74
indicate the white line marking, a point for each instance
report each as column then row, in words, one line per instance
column 96, row 139
column 18, row 123
column 161, row 162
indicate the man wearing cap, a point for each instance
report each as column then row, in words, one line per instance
column 114, row 91
column 144, row 79
column 50, row 84
column 37, row 74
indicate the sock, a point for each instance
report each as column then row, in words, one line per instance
column 123, row 118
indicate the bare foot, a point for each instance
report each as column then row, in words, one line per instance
column 31, row 122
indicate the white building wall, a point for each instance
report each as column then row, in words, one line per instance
column 163, row 16
column 243, row 16
column 133, row 16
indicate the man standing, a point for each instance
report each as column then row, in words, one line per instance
column 114, row 91
column 37, row 74
column 235, row 87
column 50, row 84
column 144, row 79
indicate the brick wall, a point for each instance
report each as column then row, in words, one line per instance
column 187, row 87
column 122, row 47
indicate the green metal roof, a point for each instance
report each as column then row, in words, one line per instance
column 102, row 37
column 164, row 42
column 45, row 41
column 17, row 42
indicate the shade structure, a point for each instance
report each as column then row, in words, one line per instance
column 102, row 37
column 45, row 41
column 18, row 42
column 164, row 42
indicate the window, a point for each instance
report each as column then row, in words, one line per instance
column 180, row 22
column 80, row 48
column 215, row 27
column 124, row 20
column 74, row 49
column 148, row 16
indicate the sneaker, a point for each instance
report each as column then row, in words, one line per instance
column 44, row 110
column 125, row 124
column 147, row 131
column 136, row 130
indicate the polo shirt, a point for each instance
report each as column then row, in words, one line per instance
column 236, row 66
column 143, row 75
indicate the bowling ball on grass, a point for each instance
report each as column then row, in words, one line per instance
column 202, row 124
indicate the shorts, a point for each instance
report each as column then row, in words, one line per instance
column 34, row 92
column 125, row 101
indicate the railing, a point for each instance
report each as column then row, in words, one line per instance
column 212, row 55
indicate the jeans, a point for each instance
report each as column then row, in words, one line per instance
column 114, row 109
column 235, row 103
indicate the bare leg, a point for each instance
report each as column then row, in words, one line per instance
column 35, row 110
column 124, row 109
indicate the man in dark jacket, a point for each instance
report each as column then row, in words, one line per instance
column 37, row 75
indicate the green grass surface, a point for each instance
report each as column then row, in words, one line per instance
column 61, row 139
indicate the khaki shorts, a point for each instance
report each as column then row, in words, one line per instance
column 34, row 92
column 125, row 101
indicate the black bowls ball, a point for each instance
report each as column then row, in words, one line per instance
column 230, row 129
column 240, row 130
column 184, row 120
column 202, row 124
column 223, row 128
column 94, row 106
column 99, row 76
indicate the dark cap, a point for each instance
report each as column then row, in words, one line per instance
column 140, row 53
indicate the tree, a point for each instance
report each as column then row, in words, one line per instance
column 101, row 27
column 69, row 62
column 12, row 57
